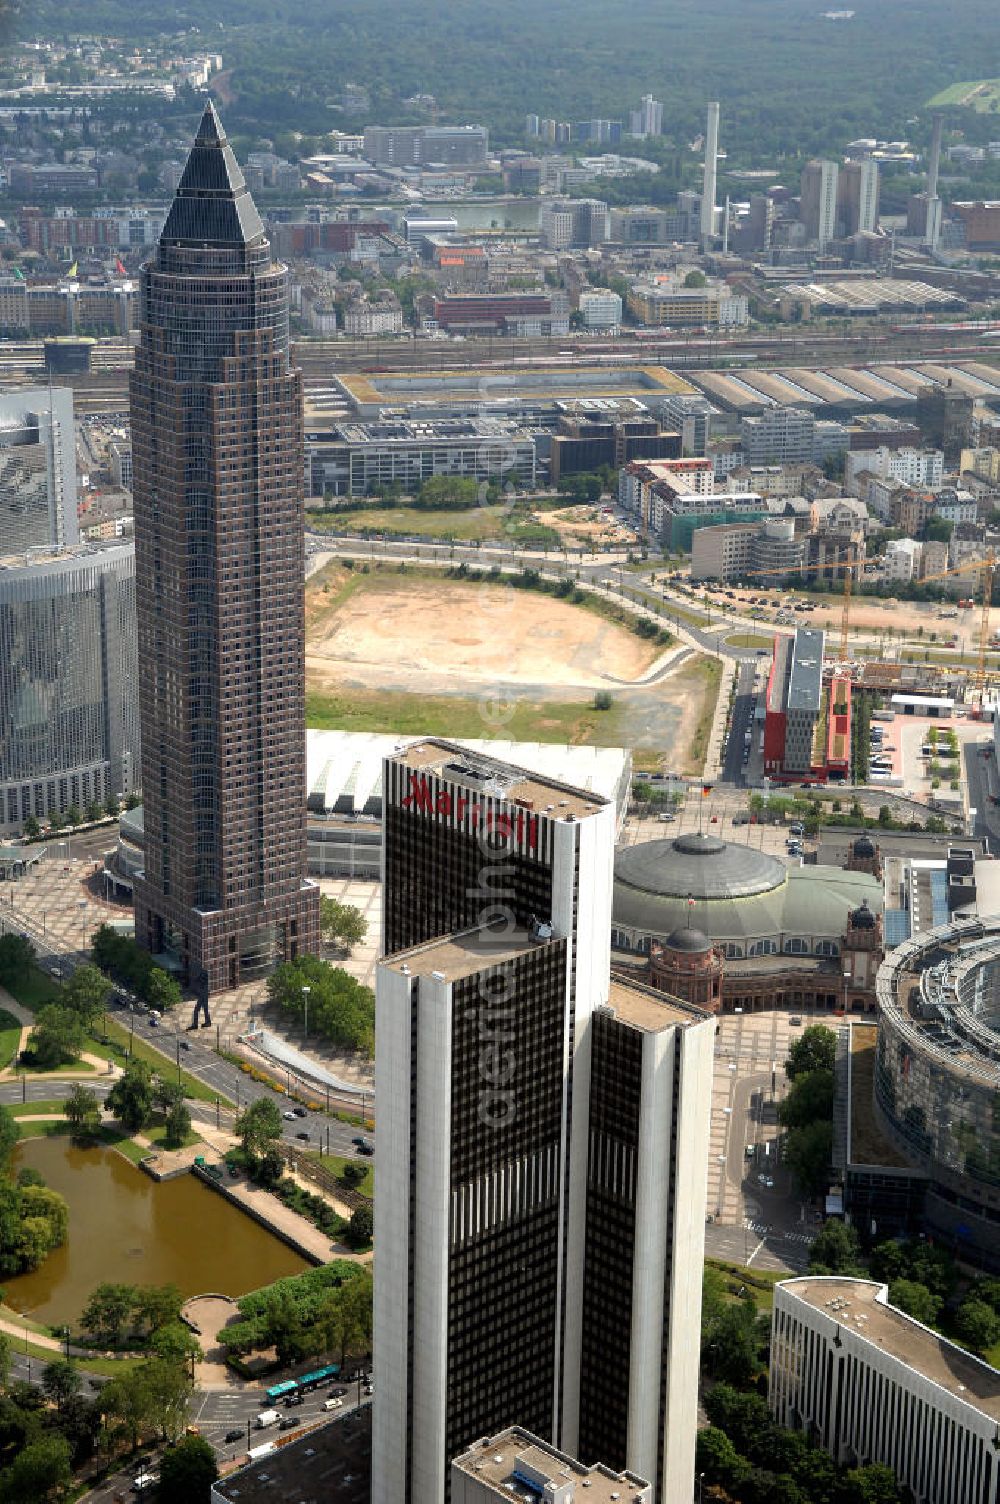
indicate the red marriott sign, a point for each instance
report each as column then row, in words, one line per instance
column 461, row 809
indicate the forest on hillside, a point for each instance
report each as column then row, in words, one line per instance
column 792, row 82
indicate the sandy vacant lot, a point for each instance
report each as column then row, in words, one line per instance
column 421, row 635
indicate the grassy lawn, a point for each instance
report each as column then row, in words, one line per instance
column 157, row 1132
column 980, row 95
column 74, row 1068
column 10, row 1037
column 33, row 989
column 336, row 1163
column 483, row 523
column 760, row 1281
column 33, row 1109
column 576, row 722
column 41, row 1127
column 710, row 670
column 749, row 640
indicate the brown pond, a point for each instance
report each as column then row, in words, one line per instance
column 124, row 1226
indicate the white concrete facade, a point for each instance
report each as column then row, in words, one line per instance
column 870, row 1384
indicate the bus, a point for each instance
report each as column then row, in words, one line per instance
column 321, row 1376
column 278, row 1391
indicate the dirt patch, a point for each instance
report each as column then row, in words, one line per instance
column 437, row 637
column 585, row 524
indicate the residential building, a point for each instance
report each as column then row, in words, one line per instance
column 776, row 550
column 219, row 589
column 914, row 467
column 647, row 120
column 37, row 469
column 708, row 212
column 68, row 306
column 361, row 459
column 954, row 505
column 857, row 197
column 501, row 1205
column 69, row 732
column 572, row 223
column 669, row 302
column 902, row 561
column 692, row 414
column 778, row 436
column 364, row 318
column 981, row 222
column 867, row 1382
column 722, row 552
column 412, row 145
column 983, row 463
column 600, row 308
column 587, row 440
column 496, row 1467
column 818, row 202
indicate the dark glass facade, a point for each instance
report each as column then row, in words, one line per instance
column 218, row 475
column 504, row 1246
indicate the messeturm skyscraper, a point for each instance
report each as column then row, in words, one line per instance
column 218, row 475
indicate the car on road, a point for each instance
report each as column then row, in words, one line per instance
column 185, row 1044
column 767, row 1181
column 798, row 829
column 144, row 1481
column 304, row 1135
column 749, row 1151
column 289, row 1117
column 366, row 1148
column 300, row 1112
column 236, row 1434
column 795, row 1022
column 333, row 1403
column 153, row 1021
column 289, row 1422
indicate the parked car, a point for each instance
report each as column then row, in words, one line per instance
column 366, row 1148
column 289, row 1422
column 300, row 1112
column 289, row 1117
column 766, row 1181
column 357, row 1142
column 236, row 1434
column 185, row 1044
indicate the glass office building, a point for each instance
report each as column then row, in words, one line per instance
column 37, row 470
column 69, row 732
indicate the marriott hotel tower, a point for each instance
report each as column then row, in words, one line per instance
column 218, row 475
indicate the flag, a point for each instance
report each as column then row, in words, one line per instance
column 706, row 789
column 119, row 267
column 18, row 274
column 72, row 270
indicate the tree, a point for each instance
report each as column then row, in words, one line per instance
column 814, row 1050
column 131, row 1097
column 977, row 1324
column 82, row 1109
column 87, row 993
column 808, row 1153
column 162, row 990
column 731, row 1350
column 187, row 1472
column 341, row 922
column 176, row 1342
column 156, row 1306
column 809, row 1100
column 60, row 1381
column 341, row 1009
column 718, row 1459
column 112, row 805
column 94, row 810
column 57, row 1038
column 177, row 1124
column 17, row 958
column 835, row 1249
column 32, row 829
column 361, row 1227
column 40, row 1470
column 107, row 1312
column 73, row 814
column 695, row 279
column 259, row 1127
column 916, row 1300
column 874, row 1484
column 9, row 1135
column 6, row 1350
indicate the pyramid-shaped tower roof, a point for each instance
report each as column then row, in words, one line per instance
column 212, row 205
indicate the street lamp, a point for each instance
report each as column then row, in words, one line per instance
column 305, row 1002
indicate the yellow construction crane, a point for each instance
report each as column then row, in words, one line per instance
column 986, row 569
column 848, row 563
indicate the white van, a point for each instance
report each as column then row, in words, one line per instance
column 266, row 1418
column 333, row 1404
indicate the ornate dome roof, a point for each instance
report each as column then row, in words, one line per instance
column 864, row 846
column 688, row 940
column 699, row 867
column 862, row 918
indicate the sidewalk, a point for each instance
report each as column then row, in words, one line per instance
column 715, row 756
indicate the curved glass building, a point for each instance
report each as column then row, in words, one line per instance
column 937, row 1076
column 69, row 726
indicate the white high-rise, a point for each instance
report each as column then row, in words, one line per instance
column 711, row 168
column 37, row 470
column 542, row 1141
column 818, row 202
